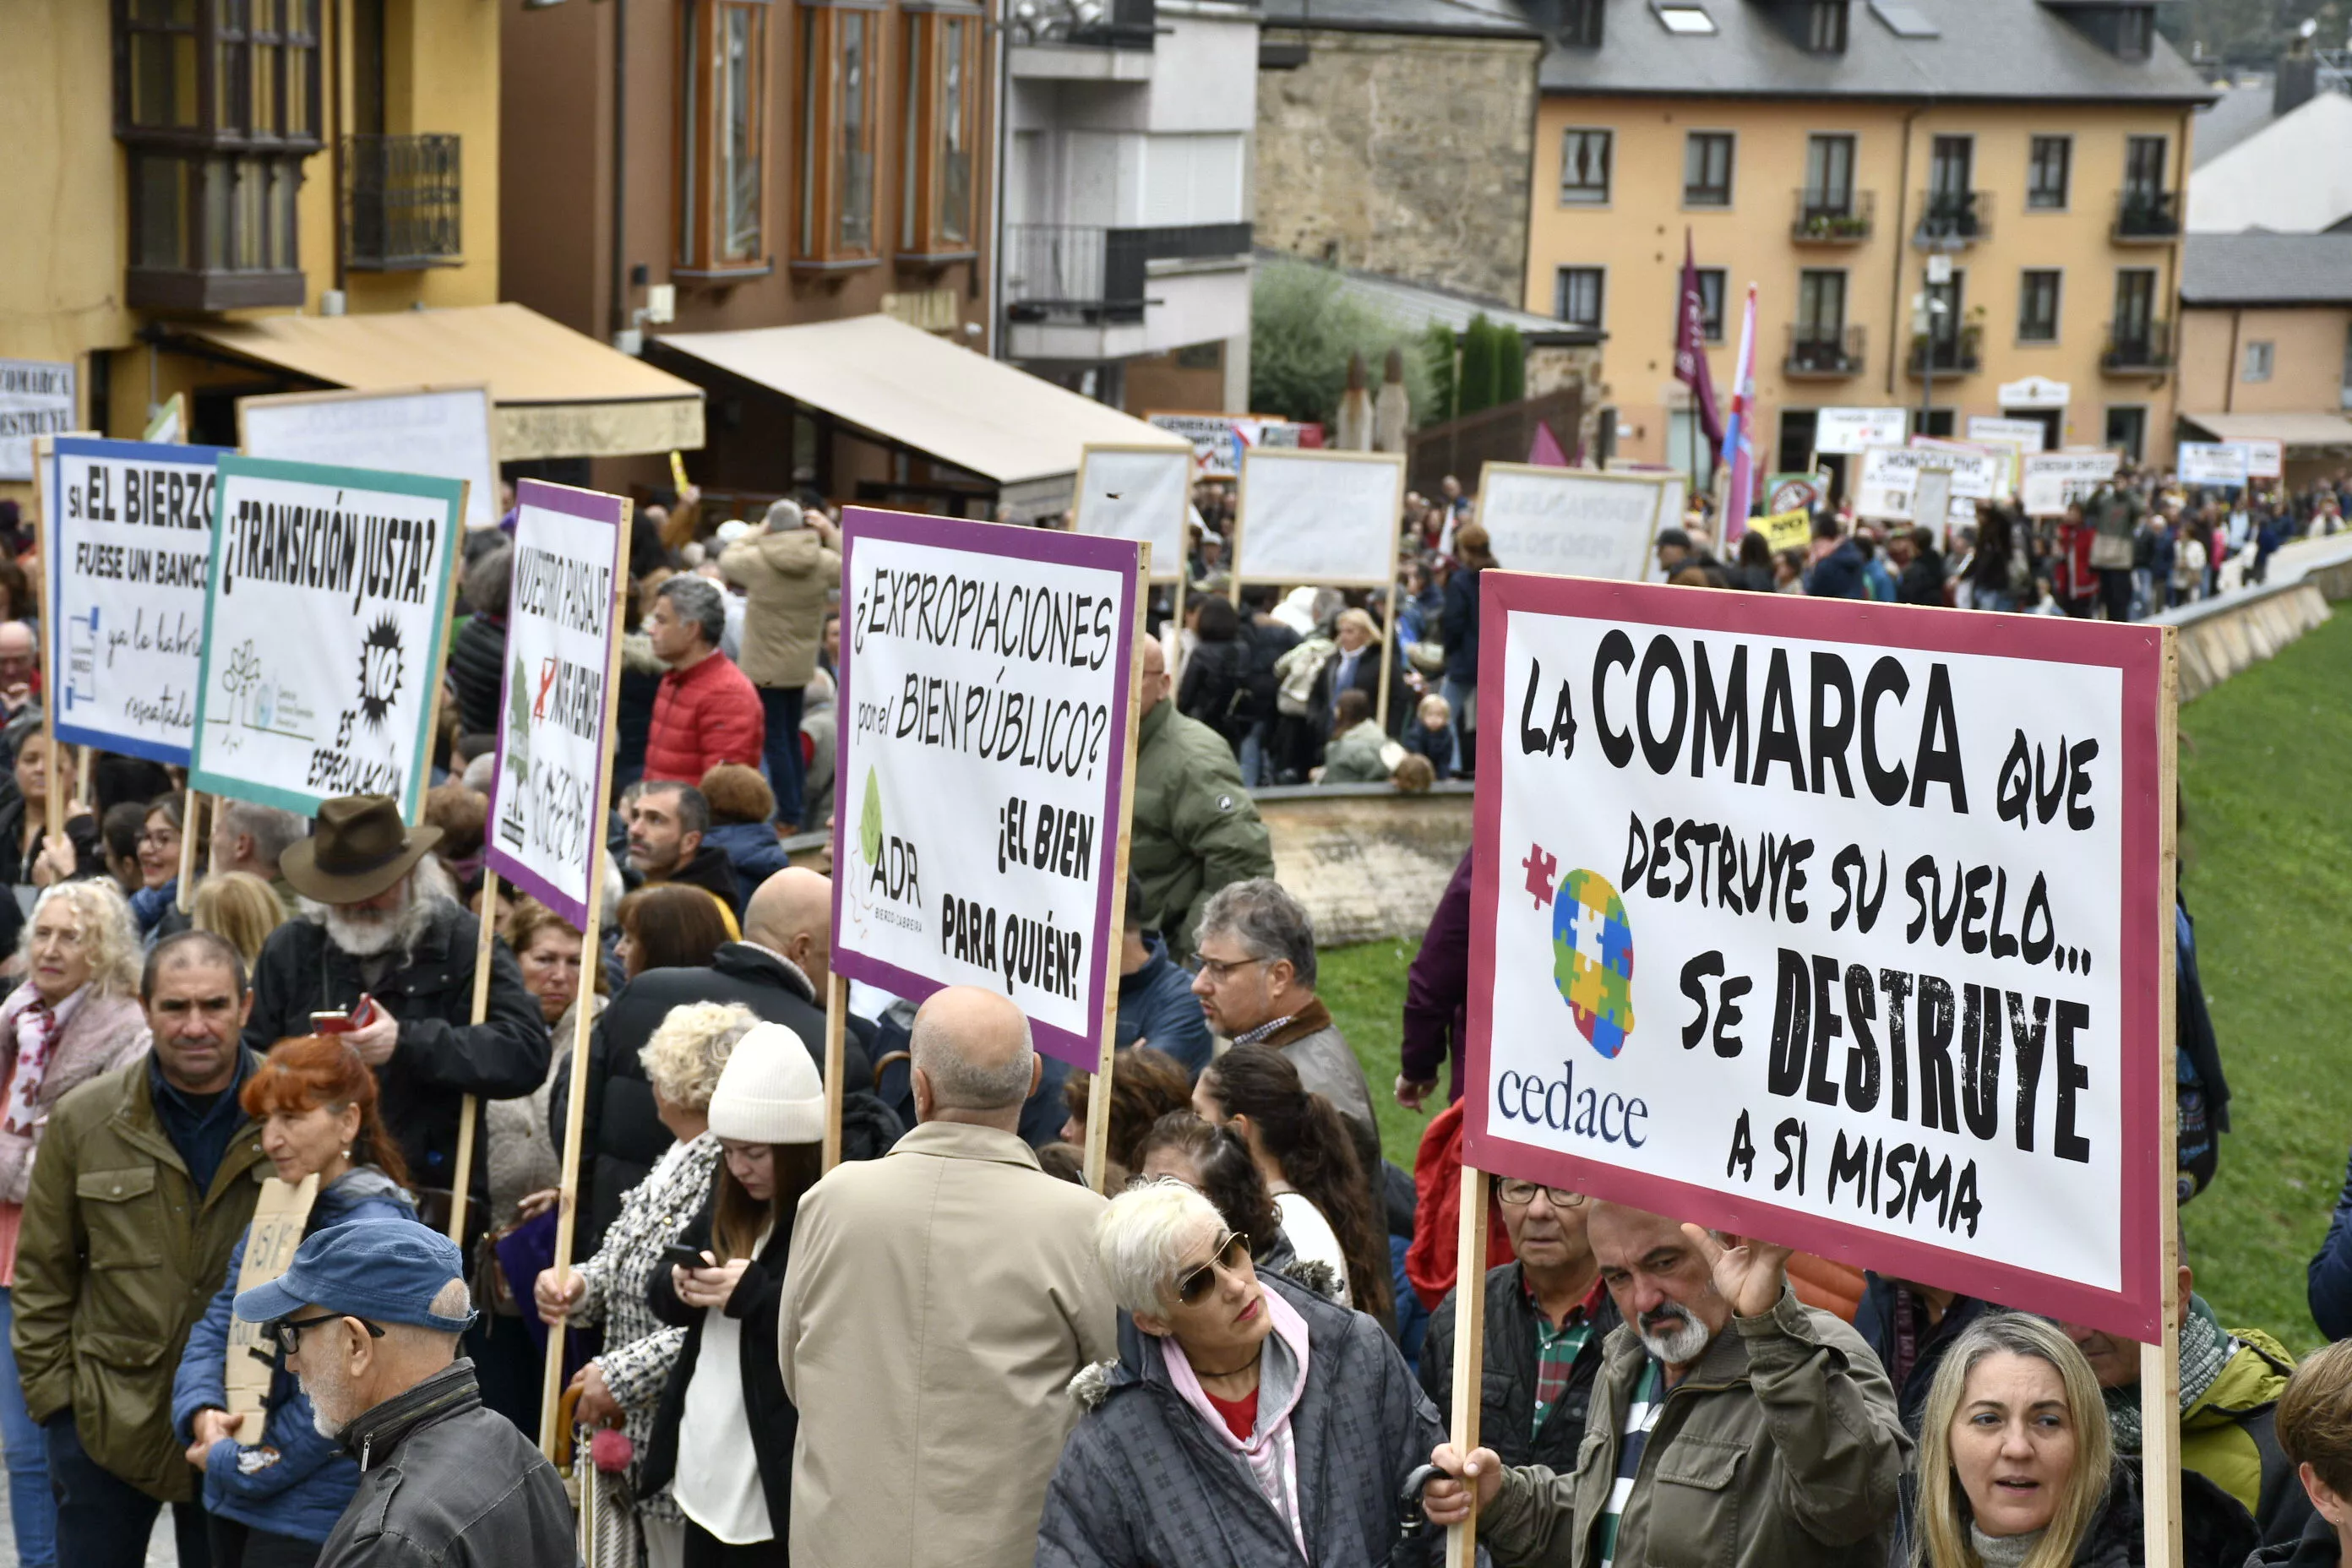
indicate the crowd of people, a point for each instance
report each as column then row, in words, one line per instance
column 947, row 1348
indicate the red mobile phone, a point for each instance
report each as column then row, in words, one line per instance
column 359, row 1017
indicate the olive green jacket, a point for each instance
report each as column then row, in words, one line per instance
column 1781, row 1447
column 1196, row 829
column 117, row 1259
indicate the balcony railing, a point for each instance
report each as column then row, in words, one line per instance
column 1951, row 220
column 400, row 202
column 1824, row 354
column 1082, row 273
column 1956, row 355
column 1831, row 218
column 2146, row 217
column 2135, row 348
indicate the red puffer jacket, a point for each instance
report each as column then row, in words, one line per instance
column 704, row 715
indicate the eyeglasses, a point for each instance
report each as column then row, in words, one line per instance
column 1218, row 969
column 1232, row 1255
column 286, row 1333
column 1519, row 1194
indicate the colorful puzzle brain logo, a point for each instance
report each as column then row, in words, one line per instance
column 1592, row 959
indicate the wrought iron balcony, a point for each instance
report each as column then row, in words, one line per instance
column 1832, row 217
column 1824, row 354
column 1954, row 356
column 1076, row 272
column 1951, row 220
column 400, row 202
column 2137, row 347
column 2146, row 217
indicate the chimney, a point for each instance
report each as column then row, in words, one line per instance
column 2298, row 78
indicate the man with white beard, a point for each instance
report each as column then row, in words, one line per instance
column 378, row 922
column 1730, row 1424
column 368, row 1316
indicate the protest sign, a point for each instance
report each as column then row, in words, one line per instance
column 279, row 1215
column 570, row 548
column 2053, row 482
column 986, row 760
column 1792, row 530
column 1141, row 493
column 2213, row 463
column 130, row 550
column 1571, row 521
column 2265, row 459
column 324, row 629
column 1849, row 430
column 2028, row 435
column 1845, row 926
column 1219, row 440
column 1795, row 492
column 1319, row 516
column 1889, row 474
column 448, row 431
column 36, row 398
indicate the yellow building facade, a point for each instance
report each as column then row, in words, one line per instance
column 176, row 162
column 2055, row 212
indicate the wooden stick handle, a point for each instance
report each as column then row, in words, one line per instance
column 470, row 1113
column 1469, row 1351
column 836, row 1023
column 191, row 812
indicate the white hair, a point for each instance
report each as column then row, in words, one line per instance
column 1142, row 1237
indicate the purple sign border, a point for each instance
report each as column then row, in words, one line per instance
column 1000, row 542
column 591, row 505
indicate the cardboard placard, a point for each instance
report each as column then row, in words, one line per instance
column 1792, row 530
column 279, row 1219
column 448, row 431
column 2222, row 463
column 1312, row 516
column 1143, row 493
column 1850, row 430
column 2053, row 482
column 1889, row 474
column 2028, row 435
column 1887, row 984
column 36, row 398
column 1574, row 521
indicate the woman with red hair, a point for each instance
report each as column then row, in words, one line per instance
column 274, row 1497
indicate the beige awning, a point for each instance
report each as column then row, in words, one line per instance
column 2295, row 432
column 923, row 392
column 558, row 394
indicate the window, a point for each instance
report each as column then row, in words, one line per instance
column 1710, row 303
column 722, row 205
column 1584, row 167
column 1684, row 19
column 942, row 110
column 2135, row 28
column 1825, row 29
column 2143, row 167
column 839, row 122
column 2037, row 307
column 1707, row 169
column 1577, row 297
column 2260, row 357
column 2126, row 431
column 1951, row 161
column 1821, row 305
column 1580, row 25
column 2047, row 167
column 1829, row 175
column 2135, row 306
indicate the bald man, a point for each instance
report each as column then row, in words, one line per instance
column 938, row 1303
column 1196, row 829
column 778, row 971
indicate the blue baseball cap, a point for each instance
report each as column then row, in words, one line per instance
column 382, row 1271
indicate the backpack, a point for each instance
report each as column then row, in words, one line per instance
column 1297, row 670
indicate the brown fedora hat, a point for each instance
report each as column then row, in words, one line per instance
column 358, row 849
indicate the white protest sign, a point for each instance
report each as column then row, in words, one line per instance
column 2265, row 459
column 986, row 761
column 1573, row 521
column 323, row 632
column 1311, row 516
column 2056, row 480
column 36, row 398
column 1890, row 473
column 2028, row 435
column 2213, row 463
column 1219, row 439
column 570, row 551
column 1852, row 430
column 129, row 551
column 1143, row 493
column 448, row 431
column 1843, row 926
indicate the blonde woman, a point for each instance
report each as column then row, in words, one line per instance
column 241, row 907
column 2017, row 1467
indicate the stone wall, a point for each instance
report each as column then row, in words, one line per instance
column 1401, row 154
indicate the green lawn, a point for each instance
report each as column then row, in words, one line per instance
column 2266, row 785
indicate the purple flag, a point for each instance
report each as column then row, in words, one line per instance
column 1690, row 351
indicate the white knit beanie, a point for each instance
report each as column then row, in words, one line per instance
column 769, row 1091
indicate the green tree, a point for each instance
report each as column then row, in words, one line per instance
column 1437, row 355
column 1510, row 365
column 1303, row 327
column 1479, row 386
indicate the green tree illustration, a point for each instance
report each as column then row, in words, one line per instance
column 869, row 820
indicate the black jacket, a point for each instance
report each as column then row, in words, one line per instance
column 1216, row 688
column 1922, row 581
column 477, row 672
column 1460, row 621
column 621, row 1135
column 1876, row 1319
column 445, row 1483
column 713, row 870
column 442, row 1057
column 1268, row 640
column 2215, row 1531
column 767, row 1408
column 2316, row 1548
column 1509, row 1399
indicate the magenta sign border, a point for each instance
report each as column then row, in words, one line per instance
column 998, row 542
column 593, row 506
column 2137, row 651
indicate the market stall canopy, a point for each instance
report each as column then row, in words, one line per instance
column 558, row 394
column 2295, row 432
column 914, row 390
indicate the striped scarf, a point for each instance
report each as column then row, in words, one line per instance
column 1641, row 1416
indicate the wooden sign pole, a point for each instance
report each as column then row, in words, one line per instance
column 1115, row 934
column 191, row 808
column 2159, row 1365
column 44, row 472
column 1469, row 1351
column 836, row 1023
column 1388, row 625
column 470, row 1112
column 575, row 1107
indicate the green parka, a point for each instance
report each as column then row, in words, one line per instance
column 119, row 1257
column 1196, row 829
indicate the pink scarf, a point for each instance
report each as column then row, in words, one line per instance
column 1270, row 1451
column 35, row 1026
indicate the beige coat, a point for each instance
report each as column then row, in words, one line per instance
column 784, row 578
column 937, row 1302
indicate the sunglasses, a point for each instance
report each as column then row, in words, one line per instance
column 1520, row 1194
column 286, row 1333
column 1232, row 1255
